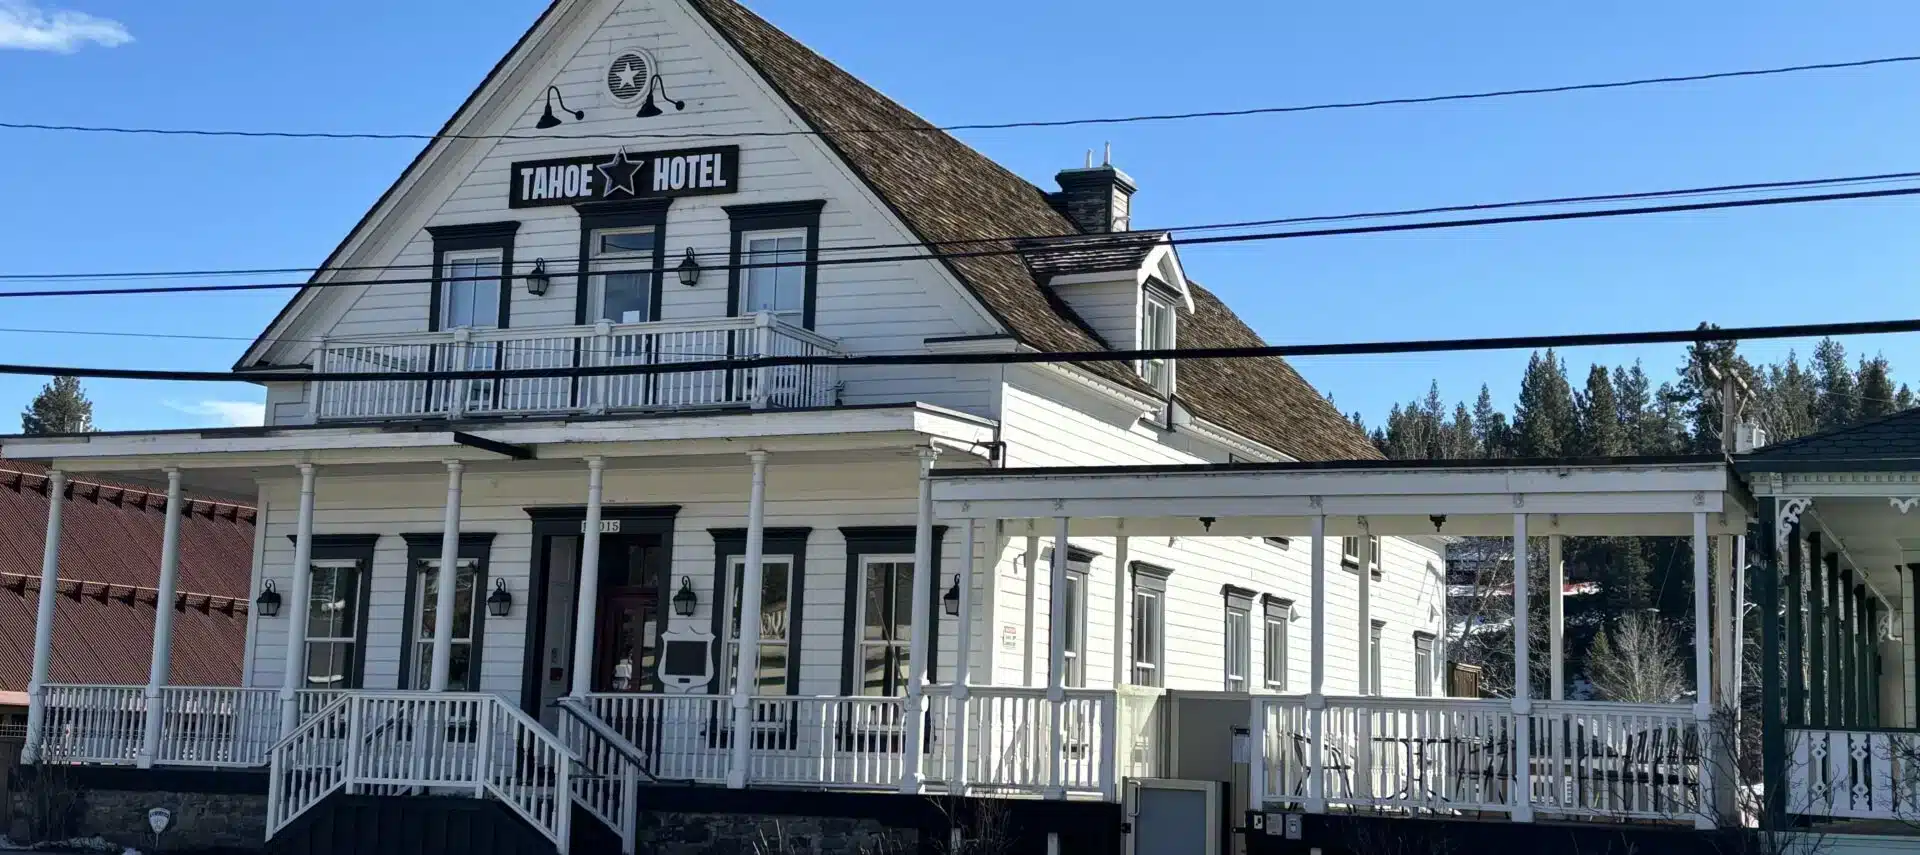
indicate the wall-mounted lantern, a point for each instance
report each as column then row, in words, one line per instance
column 269, row 601
column 685, row 601
column 537, row 279
column 689, row 269
column 951, row 602
column 499, row 603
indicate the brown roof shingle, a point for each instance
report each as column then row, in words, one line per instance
column 947, row 192
column 109, row 563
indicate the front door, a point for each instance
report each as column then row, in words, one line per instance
column 628, row 620
column 629, row 642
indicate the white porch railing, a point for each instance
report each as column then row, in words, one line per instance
column 658, row 343
column 93, row 724
column 400, row 742
column 1447, row 754
column 1855, row 774
column 677, row 735
column 1016, row 744
column 217, row 725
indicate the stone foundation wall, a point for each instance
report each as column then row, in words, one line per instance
column 201, row 822
column 675, row 833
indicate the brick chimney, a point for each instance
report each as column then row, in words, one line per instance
column 1097, row 198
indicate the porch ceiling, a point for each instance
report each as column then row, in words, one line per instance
column 1872, row 534
column 1648, row 497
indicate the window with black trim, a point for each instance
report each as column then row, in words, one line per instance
column 472, row 275
column 1278, row 614
column 624, row 255
column 1149, row 623
column 422, row 604
column 878, row 633
column 336, row 638
column 782, row 570
column 774, row 260
column 1237, row 638
column 1422, row 665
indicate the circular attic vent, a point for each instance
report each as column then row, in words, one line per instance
column 629, row 75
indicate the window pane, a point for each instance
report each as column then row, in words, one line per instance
column 876, row 622
column 901, row 619
column 329, row 664
column 626, row 298
column 781, row 290
column 624, row 242
column 1071, row 632
column 333, row 608
column 773, row 601
column 773, row 670
column 876, row 664
column 471, row 293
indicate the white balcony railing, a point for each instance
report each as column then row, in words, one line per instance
column 1855, row 774
column 662, row 343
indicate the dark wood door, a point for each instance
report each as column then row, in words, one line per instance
column 629, row 641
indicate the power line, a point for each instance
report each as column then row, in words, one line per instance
column 1117, row 238
column 1683, row 336
column 984, row 126
column 1177, row 241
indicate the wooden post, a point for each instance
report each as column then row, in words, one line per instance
column 747, row 663
column 1795, row 617
column 587, row 585
column 1772, row 724
column 297, row 606
column 1817, row 664
column 921, row 637
column 1703, row 668
column 1057, row 662
column 1522, row 795
column 1836, row 609
column 963, row 660
column 1317, row 671
column 1556, row 620
column 449, row 576
column 160, row 665
column 43, row 627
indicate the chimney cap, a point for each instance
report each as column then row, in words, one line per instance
column 1086, row 175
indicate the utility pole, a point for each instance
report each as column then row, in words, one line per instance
column 1733, row 392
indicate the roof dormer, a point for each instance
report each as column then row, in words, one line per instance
column 1128, row 287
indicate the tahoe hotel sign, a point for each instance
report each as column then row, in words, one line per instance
column 624, row 175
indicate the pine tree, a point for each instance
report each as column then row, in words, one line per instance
column 1697, row 395
column 1600, row 433
column 61, row 407
column 1543, row 416
column 1630, row 396
column 1873, row 384
column 1903, row 399
column 1787, row 400
column 1838, row 404
column 1490, row 430
column 1461, row 443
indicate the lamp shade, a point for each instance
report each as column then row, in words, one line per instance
column 499, row 603
column 951, row 602
column 269, row 601
column 685, row 601
column 689, row 269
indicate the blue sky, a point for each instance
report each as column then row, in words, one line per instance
column 84, row 203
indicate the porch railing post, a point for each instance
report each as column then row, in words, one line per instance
column 921, row 634
column 1521, row 800
column 1257, row 754
column 43, row 627
column 747, row 662
column 762, row 347
column 161, row 664
column 1703, row 673
column 298, row 607
column 1317, row 672
column 1109, row 747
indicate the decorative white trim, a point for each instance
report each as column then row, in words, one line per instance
column 1905, row 504
column 1786, row 516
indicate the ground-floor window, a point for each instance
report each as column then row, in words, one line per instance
column 1238, row 638
column 334, row 614
column 1073, row 647
column 1149, row 623
column 776, row 599
column 885, row 624
column 1373, row 659
column 423, row 604
column 1422, row 665
column 1278, row 614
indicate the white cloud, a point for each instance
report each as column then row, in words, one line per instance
column 225, row 413
column 24, row 26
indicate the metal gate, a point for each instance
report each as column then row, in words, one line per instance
column 1173, row 817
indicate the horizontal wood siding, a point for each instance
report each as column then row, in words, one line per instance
column 1048, row 423
column 822, row 498
column 1112, row 309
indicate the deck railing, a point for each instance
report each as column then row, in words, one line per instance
column 1633, row 761
column 1854, row 774
column 93, row 724
column 217, row 725
column 645, row 344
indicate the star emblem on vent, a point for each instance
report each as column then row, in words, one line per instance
column 621, row 173
column 627, row 76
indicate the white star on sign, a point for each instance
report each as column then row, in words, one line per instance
column 621, row 172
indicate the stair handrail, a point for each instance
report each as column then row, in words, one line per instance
column 632, row 765
column 583, row 714
column 276, row 775
column 562, row 788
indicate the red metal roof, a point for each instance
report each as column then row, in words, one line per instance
column 109, row 564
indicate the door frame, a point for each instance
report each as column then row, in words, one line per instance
column 567, row 519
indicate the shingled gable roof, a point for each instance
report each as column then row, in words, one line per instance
column 1889, row 442
column 945, row 191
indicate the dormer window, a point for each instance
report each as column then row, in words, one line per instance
column 1157, row 322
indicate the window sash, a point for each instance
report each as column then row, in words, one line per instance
column 470, row 290
column 631, row 287
column 1373, row 657
column 780, row 290
column 1239, row 649
column 1073, row 650
column 1156, row 333
column 774, row 644
column 1422, row 667
column 330, row 655
column 1276, row 664
column 1147, row 625
column 464, row 675
column 886, row 582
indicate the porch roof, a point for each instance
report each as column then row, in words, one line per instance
column 1648, row 496
column 1889, row 443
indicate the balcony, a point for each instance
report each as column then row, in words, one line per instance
column 604, row 344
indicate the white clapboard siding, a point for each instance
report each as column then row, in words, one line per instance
column 889, row 307
column 1047, row 423
column 1112, row 309
column 823, row 498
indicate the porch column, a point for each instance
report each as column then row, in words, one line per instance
column 1057, row 661
column 1726, row 643
column 1796, row 629
column 1522, row 680
column 1703, row 665
column 1739, row 619
column 1816, row 712
column 1556, row 621
column 43, row 626
column 1122, row 607
column 298, row 606
column 586, row 621
column 160, row 666
column 1030, row 561
column 1317, row 669
column 1836, row 604
column 962, row 663
column 449, row 575
column 1774, row 533
column 918, row 653
column 1870, row 662
column 746, row 667
column 1364, row 627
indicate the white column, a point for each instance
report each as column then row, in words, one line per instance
column 1522, row 680
column 1122, row 606
column 1556, row 620
column 923, row 581
column 1057, row 661
column 1703, row 665
column 297, row 606
column 1726, row 644
column 962, row 664
column 1364, row 680
column 746, row 667
column 988, row 570
column 160, row 665
column 588, row 583
column 43, row 626
column 255, row 584
column 1739, row 619
column 449, row 574
column 1317, row 669
column 1031, row 561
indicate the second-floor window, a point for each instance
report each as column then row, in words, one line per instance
column 1156, row 333
column 472, row 290
column 621, row 288
column 1350, row 554
column 781, row 290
